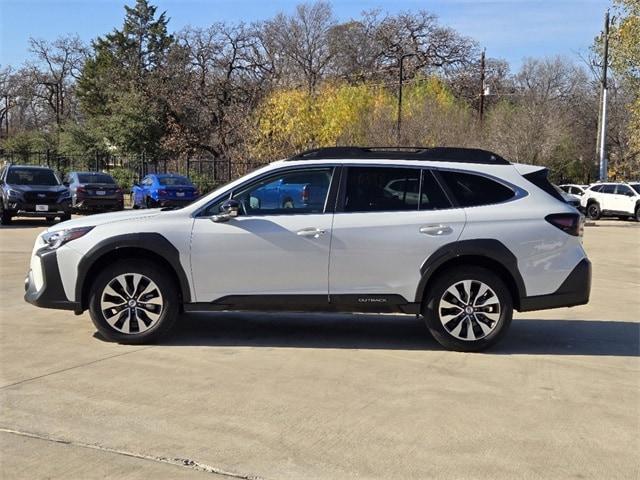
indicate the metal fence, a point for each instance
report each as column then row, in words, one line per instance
column 206, row 173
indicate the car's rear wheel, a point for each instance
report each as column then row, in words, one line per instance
column 148, row 202
column 133, row 301
column 637, row 214
column 468, row 309
column 593, row 211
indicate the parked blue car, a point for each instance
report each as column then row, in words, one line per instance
column 163, row 190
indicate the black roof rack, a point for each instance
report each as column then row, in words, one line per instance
column 436, row 154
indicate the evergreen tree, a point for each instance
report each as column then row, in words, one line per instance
column 118, row 85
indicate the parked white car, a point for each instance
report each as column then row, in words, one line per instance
column 480, row 238
column 612, row 200
column 577, row 191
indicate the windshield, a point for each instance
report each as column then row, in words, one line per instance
column 174, row 181
column 636, row 187
column 95, row 178
column 32, row 176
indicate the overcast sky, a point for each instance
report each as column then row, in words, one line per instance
column 509, row 29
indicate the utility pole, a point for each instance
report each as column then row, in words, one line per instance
column 6, row 114
column 602, row 133
column 400, row 79
column 482, row 69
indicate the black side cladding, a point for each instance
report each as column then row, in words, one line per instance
column 540, row 178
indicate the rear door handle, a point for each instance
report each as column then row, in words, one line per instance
column 436, row 230
column 311, row 232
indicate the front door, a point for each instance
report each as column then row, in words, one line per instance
column 271, row 248
column 392, row 220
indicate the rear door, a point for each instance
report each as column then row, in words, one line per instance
column 389, row 220
column 624, row 199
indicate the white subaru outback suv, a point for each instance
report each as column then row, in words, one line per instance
column 460, row 236
column 612, row 200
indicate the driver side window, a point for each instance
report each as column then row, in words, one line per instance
column 285, row 193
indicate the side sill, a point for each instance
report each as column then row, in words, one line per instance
column 308, row 303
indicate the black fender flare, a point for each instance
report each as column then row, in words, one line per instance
column 490, row 249
column 152, row 242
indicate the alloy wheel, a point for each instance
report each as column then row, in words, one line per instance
column 469, row 310
column 131, row 303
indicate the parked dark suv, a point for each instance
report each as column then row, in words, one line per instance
column 94, row 191
column 29, row 191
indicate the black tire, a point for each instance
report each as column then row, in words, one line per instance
column 593, row 211
column 5, row 216
column 624, row 218
column 637, row 214
column 462, row 324
column 148, row 202
column 50, row 220
column 158, row 326
column 65, row 217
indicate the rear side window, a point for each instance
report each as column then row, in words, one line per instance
column 597, row 188
column 432, row 196
column 380, row 189
column 473, row 190
column 608, row 189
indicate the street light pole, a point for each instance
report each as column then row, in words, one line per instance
column 602, row 124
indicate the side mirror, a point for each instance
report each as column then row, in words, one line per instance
column 230, row 209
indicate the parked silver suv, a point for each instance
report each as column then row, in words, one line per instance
column 460, row 236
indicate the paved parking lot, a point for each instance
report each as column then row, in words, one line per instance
column 325, row 396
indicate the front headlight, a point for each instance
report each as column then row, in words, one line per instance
column 60, row 237
column 14, row 193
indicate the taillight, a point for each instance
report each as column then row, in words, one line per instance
column 305, row 194
column 571, row 223
column 81, row 190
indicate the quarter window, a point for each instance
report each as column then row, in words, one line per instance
column 474, row 190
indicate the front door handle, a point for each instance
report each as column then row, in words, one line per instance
column 311, row 232
column 436, row 230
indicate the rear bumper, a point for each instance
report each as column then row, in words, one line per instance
column 50, row 294
column 99, row 203
column 574, row 291
column 174, row 202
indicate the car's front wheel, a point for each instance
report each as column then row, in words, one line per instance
column 5, row 216
column 133, row 301
column 468, row 309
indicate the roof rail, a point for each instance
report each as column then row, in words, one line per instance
column 436, row 154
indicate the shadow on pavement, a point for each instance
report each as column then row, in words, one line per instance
column 396, row 332
column 27, row 223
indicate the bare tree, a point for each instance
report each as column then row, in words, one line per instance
column 298, row 45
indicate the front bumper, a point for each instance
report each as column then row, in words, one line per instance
column 574, row 291
column 43, row 285
column 26, row 209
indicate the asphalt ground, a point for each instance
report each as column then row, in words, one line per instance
column 290, row 396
